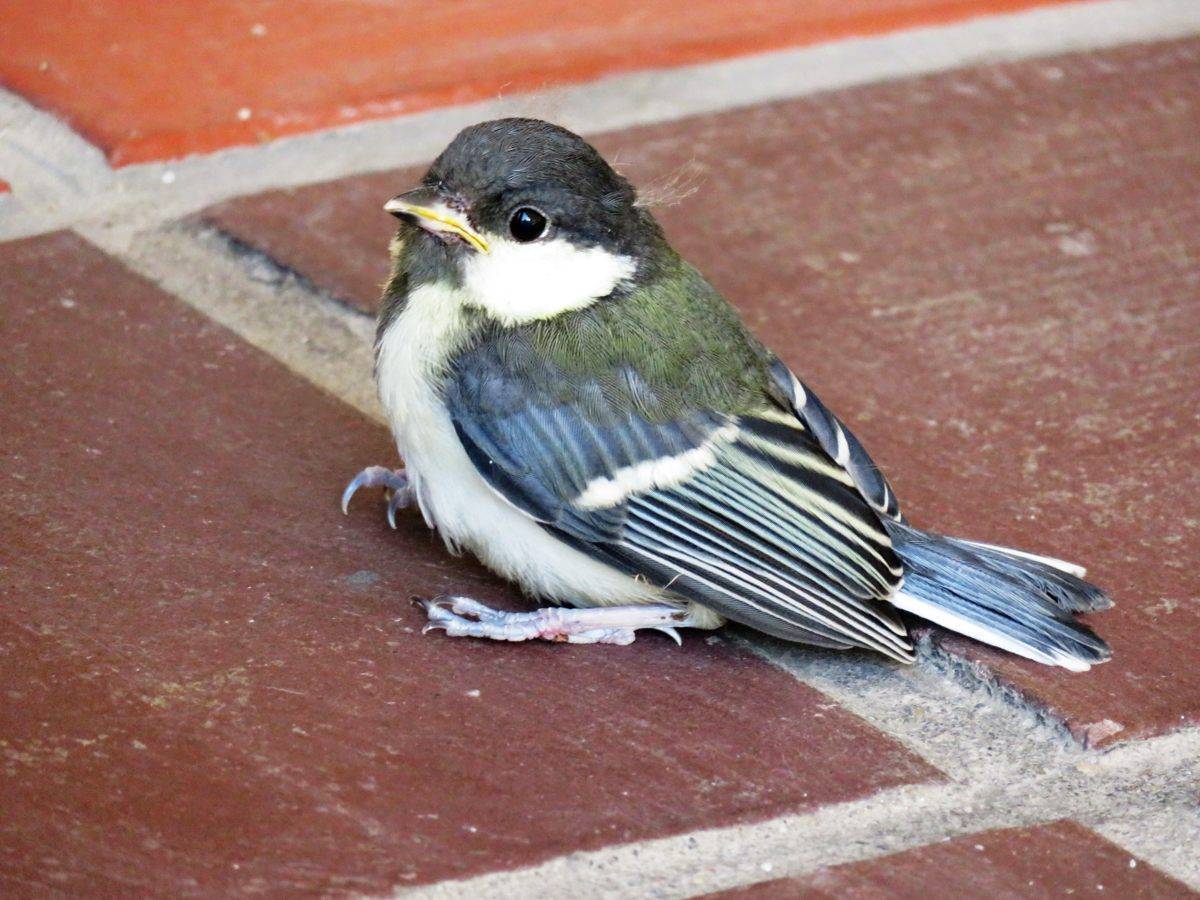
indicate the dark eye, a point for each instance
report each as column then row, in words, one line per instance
column 527, row 224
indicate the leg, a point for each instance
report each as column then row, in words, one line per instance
column 464, row 617
column 377, row 476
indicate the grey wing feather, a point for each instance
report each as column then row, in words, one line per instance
column 763, row 528
column 838, row 442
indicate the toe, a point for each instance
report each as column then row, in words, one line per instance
column 439, row 615
column 439, row 602
column 377, row 476
column 465, row 606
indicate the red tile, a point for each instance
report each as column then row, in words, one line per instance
column 106, row 790
column 990, row 274
column 215, row 683
column 5, row 187
column 1062, row 858
column 336, row 234
column 148, row 80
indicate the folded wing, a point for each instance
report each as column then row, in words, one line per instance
column 742, row 511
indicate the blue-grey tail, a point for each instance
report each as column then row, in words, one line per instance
column 1007, row 598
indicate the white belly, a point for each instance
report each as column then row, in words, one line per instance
column 454, row 497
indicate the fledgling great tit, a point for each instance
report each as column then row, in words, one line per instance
column 579, row 407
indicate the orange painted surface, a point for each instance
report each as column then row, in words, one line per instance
column 148, row 79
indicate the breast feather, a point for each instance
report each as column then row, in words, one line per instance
column 413, row 355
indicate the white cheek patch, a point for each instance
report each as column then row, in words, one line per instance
column 519, row 283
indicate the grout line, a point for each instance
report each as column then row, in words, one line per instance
column 1129, row 785
column 41, row 156
column 979, row 732
column 318, row 338
column 963, row 728
column 46, row 159
column 977, row 677
column 1166, row 836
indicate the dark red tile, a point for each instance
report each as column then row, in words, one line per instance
column 1061, row 858
column 990, row 274
column 334, row 234
column 147, row 80
column 106, row 791
column 215, row 682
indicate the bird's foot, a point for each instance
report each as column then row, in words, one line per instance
column 395, row 480
column 464, row 617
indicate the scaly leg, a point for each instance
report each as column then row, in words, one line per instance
column 377, row 476
column 464, row 617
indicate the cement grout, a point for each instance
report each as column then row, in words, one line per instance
column 1132, row 784
column 961, row 727
column 1165, row 835
column 41, row 156
column 318, row 338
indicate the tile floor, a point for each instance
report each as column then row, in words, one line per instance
column 214, row 682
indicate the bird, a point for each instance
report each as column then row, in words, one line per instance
column 576, row 405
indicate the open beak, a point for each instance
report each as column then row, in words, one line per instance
column 426, row 208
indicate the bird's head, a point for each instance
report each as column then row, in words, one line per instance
column 526, row 220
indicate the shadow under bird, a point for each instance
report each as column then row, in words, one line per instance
column 580, row 408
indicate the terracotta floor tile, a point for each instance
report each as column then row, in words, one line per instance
column 1055, row 860
column 214, row 679
column 149, row 80
column 335, row 234
column 991, row 275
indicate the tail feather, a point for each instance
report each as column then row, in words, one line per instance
column 1061, row 564
column 1062, row 581
column 1007, row 598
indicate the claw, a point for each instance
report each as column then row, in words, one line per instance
column 465, row 606
column 378, row 476
column 351, row 489
column 429, row 605
column 671, row 633
column 439, row 616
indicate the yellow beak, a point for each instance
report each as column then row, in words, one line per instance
column 432, row 214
